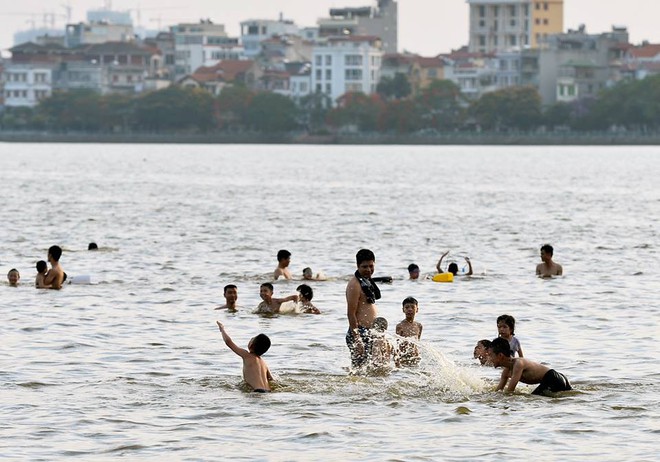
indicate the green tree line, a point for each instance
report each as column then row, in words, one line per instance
column 439, row 108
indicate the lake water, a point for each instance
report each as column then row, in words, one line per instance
column 134, row 365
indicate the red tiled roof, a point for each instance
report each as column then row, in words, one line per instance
column 646, row 51
column 226, row 70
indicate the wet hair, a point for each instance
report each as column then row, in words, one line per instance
column 364, row 255
column 307, row 270
column 547, row 248
column 407, row 300
column 500, row 345
column 41, row 266
column 452, row 268
column 268, row 285
column 509, row 321
column 413, row 267
column 379, row 324
column 229, row 286
column 55, row 251
column 283, row 254
column 12, row 271
column 92, row 246
column 260, row 344
column 306, row 291
column 485, row 343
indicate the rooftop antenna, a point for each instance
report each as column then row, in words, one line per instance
column 67, row 7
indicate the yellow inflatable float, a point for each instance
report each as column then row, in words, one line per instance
column 443, row 277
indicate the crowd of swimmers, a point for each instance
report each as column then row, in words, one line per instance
column 372, row 351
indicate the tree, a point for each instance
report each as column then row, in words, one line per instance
column 271, row 113
column 402, row 116
column 232, row 105
column 357, row 109
column 72, row 110
column 175, row 108
column 313, row 110
column 509, row 108
column 396, row 87
column 441, row 105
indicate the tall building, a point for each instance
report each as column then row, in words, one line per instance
column 502, row 25
column 254, row 31
column 196, row 43
column 380, row 21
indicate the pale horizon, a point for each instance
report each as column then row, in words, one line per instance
column 425, row 27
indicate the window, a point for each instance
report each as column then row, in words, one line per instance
column 353, row 74
column 538, row 6
column 482, row 23
column 571, row 90
column 353, row 60
column 545, row 22
column 512, row 40
column 328, row 88
column 537, row 21
column 495, row 41
column 482, row 40
column 353, row 87
column 319, row 74
column 318, row 60
column 512, row 10
column 545, row 6
column 482, row 11
column 328, row 60
column 328, row 74
column 303, row 87
column 319, row 88
column 513, row 23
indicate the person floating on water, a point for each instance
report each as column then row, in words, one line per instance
column 13, row 277
column 270, row 304
column 42, row 269
column 506, row 326
column 525, row 371
column 283, row 261
column 453, row 267
column 308, row 275
column 361, row 296
column 55, row 276
column 548, row 268
column 231, row 296
column 305, row 299
column 408, row 351
column 92, row 246
column 413, row 271
column 255, row 370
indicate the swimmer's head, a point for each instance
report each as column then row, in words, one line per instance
column 481, row 351
column 506, row 325
column 452, row 268
column 413, row 270
column 379, row 324
column 364, row 255
column 42, row 266
column 499, row 351
column 308, row 273
column 55, row 252
column 266, row 290
column 284, row 256
column 92, row 246
column 13, row 276
column 306, row 292
column 231, row 293
column 259, row 344
column 546, row 252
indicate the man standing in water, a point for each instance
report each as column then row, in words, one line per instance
column 55, row 277
column 361, row 296
column 548, row 268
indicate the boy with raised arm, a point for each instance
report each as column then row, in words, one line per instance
column 525, row 371
column 453, row 267
column 270, row 304
column 255, row 369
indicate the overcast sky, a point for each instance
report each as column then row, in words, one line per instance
column 427, row 27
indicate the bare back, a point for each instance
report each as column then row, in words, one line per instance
column 55, row 277
column 255, row 372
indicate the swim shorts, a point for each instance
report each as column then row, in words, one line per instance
column 261, row 390
column 553, row 381
column 358, row 360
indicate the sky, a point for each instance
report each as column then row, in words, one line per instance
column 427, row 27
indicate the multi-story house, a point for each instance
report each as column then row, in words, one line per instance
column 195, row 44
column 346, row 64
column 27, row 84
column 381, row 22
column 642, row 61
column 255, row 31
column 501, row 25
column 97, row 32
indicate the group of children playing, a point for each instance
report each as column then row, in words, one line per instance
column 45, row 279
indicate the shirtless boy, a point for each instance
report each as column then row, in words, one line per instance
column 231, row 296
column 270, row 304
column 305, row 298
column 548, row 268
column 361, row 296
column 283, row 261
column 408, row 351
column 525, row 371
column 255, row 369
column 42, row 269
column 55, row 276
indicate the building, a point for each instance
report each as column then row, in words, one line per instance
column 195, row 44
column 503, row 25
column 215, row 78
column 576, row 65
column 346, row 64
column 255, row 31
column 279, row 50
column 26, row 84
column 420, row 71
column 300, row 80
column 97, row 32
column 381, row 22
column 642, row 61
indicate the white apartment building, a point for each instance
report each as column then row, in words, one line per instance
column 199, row 43
column 27, row 84
column 254, row 31
column 346, row 64
column 95, row 33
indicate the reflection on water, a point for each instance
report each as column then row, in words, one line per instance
column 133, row 364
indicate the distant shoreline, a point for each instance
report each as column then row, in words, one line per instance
column 462, row 138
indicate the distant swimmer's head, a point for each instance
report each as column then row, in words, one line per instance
column 259, row 344
column 42, row 266
column 506, row 325
column 413, row 271
column 547, row 252
column 452, row 268
column 499, row 351
column 308, row 273
column 13, row 276
column 266, row 290
column 92, row 246
column 55, row 252
column 231, row 293
column 366, row 262
column 284, row 257
column 306, row 292
column 481, row 351
column 379, row 324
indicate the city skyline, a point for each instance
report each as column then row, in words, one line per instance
column 425, row 27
